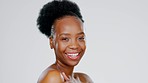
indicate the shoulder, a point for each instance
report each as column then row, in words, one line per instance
column 83, row 77
column 50, row 76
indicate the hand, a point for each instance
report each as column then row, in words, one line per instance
column 66, row 79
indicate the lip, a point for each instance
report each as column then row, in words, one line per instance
column 73, row 55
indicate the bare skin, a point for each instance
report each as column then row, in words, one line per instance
column 51, row 75
column 69, row 46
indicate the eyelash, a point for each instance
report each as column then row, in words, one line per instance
column 67, row 39
column 81, row 38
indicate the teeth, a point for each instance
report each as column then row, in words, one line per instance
column 73, row 55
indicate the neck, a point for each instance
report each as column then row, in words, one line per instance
column 68, row 70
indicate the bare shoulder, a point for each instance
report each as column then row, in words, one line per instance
column 50, row 76
column 83, row 77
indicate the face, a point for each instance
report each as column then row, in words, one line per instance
column 68, row 41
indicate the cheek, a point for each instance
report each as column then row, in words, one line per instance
column 61, row 46
column 83, row 45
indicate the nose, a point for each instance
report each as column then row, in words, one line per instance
column 74, row 44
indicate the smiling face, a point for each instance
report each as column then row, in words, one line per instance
column 68, row 41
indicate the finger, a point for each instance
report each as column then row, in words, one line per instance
column 65, row 77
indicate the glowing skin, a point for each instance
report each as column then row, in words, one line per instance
column 68, row 42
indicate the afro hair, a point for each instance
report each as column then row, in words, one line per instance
column 54, row 10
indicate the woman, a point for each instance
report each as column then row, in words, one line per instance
column 62, row 23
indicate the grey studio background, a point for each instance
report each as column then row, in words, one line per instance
column 117, row 41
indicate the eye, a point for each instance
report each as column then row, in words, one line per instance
column 65, row 39
column 81, row 38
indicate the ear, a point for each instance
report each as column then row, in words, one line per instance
column 51, row 42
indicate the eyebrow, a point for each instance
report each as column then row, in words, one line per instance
column 80, row 33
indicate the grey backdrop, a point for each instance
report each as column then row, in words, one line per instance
column 117, row 41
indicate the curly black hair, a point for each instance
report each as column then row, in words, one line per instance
column 54, row 10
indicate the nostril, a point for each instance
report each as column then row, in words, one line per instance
column 73, row 46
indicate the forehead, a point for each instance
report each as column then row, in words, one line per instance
column 68, row 24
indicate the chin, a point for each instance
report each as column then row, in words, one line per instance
column 73, row 63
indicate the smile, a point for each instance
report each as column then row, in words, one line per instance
column 73, row 56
